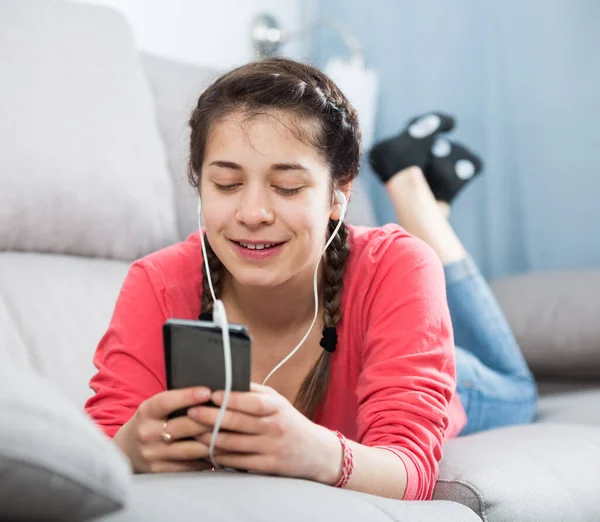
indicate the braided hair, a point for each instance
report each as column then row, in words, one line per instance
column 301, row 91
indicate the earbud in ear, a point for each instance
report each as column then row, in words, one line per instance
column 199, row 206
column 343, row 202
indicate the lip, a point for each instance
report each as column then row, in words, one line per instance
column 255, row 242
column 258, row 255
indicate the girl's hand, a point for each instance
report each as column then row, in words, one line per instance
column 144, row 441
column 266, row 434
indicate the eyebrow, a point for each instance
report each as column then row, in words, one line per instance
column 274, row 166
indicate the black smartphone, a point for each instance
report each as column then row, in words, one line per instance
column 194, row 356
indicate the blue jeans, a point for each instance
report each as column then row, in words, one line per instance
column 493, row 381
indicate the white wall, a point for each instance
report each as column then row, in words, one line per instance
column 210, row 32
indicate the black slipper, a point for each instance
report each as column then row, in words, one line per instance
column 411, row 147
column 450, row 167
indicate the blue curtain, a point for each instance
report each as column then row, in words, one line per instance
column 523, row 80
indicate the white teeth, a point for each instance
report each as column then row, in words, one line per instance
column 257, row 247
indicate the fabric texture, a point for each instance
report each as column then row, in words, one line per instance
column 82, row 165
column 55, row 464
column 53, row 311
column 554, row 316
column 577, row 407
column 527, row 473
column 236, row 497
column 176, row 88
column 553, row 387
column 392, row 383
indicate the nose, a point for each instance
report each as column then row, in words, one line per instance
column 254, row 209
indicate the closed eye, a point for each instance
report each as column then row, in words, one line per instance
column 227, row 188
column 287, row 192
column 283, row 191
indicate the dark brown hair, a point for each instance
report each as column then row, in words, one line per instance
column 302, row 93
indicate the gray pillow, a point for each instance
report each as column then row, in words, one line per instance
column 555, row 318
column 82, row 168
column 55, row 464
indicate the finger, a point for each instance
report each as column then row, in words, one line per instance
column 162, row 404
column 232, row 420
column 179, row 428
column 253, row 403
column 183, row 450
column 251, row 462
column 236, row 442
column 256, row 387
column 162, row 466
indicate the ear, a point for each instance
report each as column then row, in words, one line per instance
column 336, row 207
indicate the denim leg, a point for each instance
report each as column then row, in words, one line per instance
column 494, row 382
column 478, row 322
column 492, row 399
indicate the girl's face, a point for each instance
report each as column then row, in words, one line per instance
column 266, row 199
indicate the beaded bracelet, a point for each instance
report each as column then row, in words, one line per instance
column 348, row 461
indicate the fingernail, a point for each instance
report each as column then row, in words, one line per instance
column 202, row 394
column 193, row 412
column 217, row 396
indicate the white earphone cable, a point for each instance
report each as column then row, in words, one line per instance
column 219, row 318
column 316, row 295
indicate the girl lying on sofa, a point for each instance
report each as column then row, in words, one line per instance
column 379, row 384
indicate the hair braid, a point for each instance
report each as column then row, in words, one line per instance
column 313, row 388
column 335, row 266
column 216, row 272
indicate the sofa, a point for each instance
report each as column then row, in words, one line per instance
column 93, row 172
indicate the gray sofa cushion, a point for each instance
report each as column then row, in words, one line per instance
column 53, row 311
column 540, row 472
column 555, row 386
column 236, row 497
column 176, row 88
column 55, row 464
column 577, row 407
column 554, row 316
column 82, row 166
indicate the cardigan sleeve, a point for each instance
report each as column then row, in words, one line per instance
column 129, row 357
column 407, row 375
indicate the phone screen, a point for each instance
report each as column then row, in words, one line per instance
column 196, row 359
